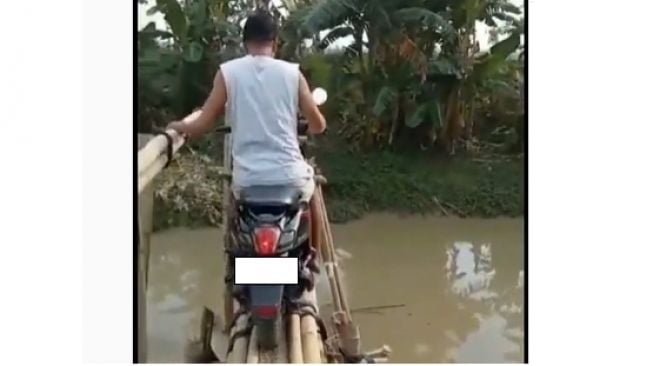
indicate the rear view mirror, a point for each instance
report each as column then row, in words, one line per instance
column 319, row 96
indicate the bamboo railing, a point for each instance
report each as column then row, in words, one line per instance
column 152, row 158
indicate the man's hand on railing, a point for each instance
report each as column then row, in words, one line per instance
column 158, row 152
column 193, row 125
column 180, row 127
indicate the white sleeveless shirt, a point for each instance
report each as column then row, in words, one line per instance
column 262, row 108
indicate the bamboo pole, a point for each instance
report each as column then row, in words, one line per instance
column 145, row 206
column 326, row 250
column 238, row 353
column 252, row 349
column 141, row 357
column 152, row 157
column 348, row 332
column 228, row 302
column 226, row 166
column 146, row 176
column 323, row 356
column 327, row 258
column 310, row 340
column 145, row 214
column 295, row 339
column 332, row 255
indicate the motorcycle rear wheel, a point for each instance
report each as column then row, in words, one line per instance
column 266, row 332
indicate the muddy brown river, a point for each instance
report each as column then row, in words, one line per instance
column 433, row 289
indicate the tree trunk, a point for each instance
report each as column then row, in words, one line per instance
column 395, row 119
column 358, row 45
column 469, row 115
column 454, row 120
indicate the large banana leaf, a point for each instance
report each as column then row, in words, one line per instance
column 507, row 7
column 417, row 117
column 150, row 31
column 491, row 63
column 385, row 98
column 425, row 17
column 175, row 17
column 325, row 14
column 504, row 48
column 444, row 66
column 193, row 53
column 435, row 113
column 336, row 34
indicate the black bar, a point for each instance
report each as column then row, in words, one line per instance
column 223, row 129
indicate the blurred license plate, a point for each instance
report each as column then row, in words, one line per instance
column 266, row 271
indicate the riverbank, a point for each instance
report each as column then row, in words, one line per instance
column 412, row 183
column 189, row 192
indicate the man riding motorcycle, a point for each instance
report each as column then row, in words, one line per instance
column 261, row 97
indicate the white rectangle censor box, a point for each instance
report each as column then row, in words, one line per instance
column 266, row 271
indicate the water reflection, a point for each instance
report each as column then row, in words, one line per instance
column 498, row 335
column 393, row 269
column 185, row 275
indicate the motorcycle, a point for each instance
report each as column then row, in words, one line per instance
column 269, row 222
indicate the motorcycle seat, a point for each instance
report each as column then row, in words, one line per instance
column 270, row 196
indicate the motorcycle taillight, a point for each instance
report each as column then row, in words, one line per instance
column 266, row 239
column 266, row 311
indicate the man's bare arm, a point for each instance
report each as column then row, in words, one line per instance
column 213, row 108
column 316, row 121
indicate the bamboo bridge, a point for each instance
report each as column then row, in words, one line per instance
column 305, row 338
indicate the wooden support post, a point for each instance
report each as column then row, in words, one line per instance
column 238, row 353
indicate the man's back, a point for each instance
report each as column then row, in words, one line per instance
column 262, row 107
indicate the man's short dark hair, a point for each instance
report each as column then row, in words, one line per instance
column 260, row 27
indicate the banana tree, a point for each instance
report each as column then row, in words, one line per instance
column 440, row 43
column 179, row 62
column 388, row 47
column 464, row 15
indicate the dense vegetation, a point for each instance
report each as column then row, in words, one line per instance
column 407, row 93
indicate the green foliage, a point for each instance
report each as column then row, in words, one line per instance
column 411, row 68
column 418, row 115
column 335, row 34
column 324, row 14
column 189, row 193
column 174, row 16
column 408, row 183
column 411, row 74
column 417, row 54
column 425, row 17
column 384, row 99
column 176, row 65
